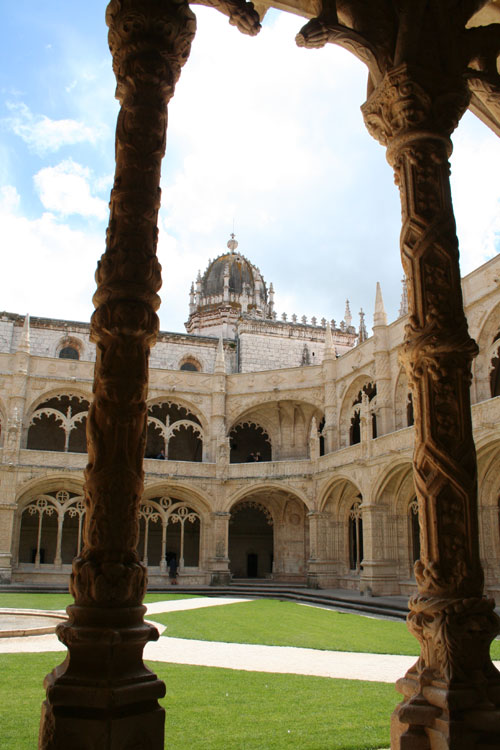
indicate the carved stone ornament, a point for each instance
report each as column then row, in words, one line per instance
column 413, row 116
column 104, row 686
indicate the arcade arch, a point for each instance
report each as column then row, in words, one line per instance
column 58, row 423
column 169, row 527
column 394, row 493
column 285, row 425
column 174, row 432
column 269, row 536
column 50, row 527
column 358, row 405
column 342, row 512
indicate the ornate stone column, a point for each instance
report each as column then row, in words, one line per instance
column 452, row 694
column 219, row 562
column 103, row 697
column 329, row 372
column 385, row 400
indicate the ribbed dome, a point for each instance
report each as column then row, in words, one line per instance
column 241, row 275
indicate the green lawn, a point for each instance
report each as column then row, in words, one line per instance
column 222, row 709
column 61, row 601
column 274, row 623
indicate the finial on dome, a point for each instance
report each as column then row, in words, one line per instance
column 232, row 243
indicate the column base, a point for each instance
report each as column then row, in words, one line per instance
column 438, row 717
column 103, row 697
column 220, row 578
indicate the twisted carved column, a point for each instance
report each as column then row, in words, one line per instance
column 103, row 697
column 452, row 694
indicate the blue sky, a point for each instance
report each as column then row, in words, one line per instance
column 261, row 133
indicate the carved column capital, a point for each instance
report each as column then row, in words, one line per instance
column 412, row 103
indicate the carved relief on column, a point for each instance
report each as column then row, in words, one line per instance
column 150, row 42
column 103, row 693
column 413, row 115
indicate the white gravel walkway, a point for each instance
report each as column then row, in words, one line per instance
column 251, row 658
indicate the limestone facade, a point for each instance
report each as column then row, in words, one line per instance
column 331, row 503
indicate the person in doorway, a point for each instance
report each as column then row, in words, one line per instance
column 172, row 570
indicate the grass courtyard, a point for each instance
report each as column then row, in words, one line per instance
column 223, row 709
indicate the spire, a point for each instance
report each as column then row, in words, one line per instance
column 347, row 314
column 232, row 243
column 220, row 363
column 403, row 307
column 24, row 341
column 379, row 318
column 329, row 351
column 363, row 334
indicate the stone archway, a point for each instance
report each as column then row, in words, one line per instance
column 251, row 540
column 269, row 537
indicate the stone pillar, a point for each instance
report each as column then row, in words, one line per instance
column 385, row 406
column 330, row 431
column 379, row 575
column 319, row 566
column 219, row 562
column 218, row 439
column 103, row 697
column 452, row 694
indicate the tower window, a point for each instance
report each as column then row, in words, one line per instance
column 69, row 352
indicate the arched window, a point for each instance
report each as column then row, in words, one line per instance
column 58, row 424
column 409, row 410
column 190, row 364
column 174, row 433
column 69, row 352
column 495, row 372
column 370, row 389
column 355, row 537
column 414, row 530
column 169, row 528
column 249, row 442
column 51, row 529
column 355, row 429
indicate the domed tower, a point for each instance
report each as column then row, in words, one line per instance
column 230, row 287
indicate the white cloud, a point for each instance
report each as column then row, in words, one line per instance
column 44, row 135
column 476, row 192
column 65, row 189
column 47, row 266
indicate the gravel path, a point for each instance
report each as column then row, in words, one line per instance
column 251, row 658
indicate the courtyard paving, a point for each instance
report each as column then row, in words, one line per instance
column 279, row 659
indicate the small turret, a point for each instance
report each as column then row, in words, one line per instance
column 403, row 307
column 379, row 317
column 24, row 341
column 363, row 333
column 347, row 314
column 220, row 361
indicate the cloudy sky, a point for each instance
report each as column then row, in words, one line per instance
column 262, row 135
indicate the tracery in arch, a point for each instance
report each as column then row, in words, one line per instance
column 495, row 367
column 366, row 395
column 414, row 530
column 51, row 528
column 174, row 433
column 355, row 536
column 58, row 424
column 249, row 442
column 403, row 402
column 169, row 528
